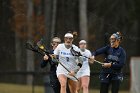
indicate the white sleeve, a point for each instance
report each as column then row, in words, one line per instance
column 90, row 53
column 76, row 48
column 56, row 51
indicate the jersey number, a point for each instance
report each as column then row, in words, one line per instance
column 67, row 58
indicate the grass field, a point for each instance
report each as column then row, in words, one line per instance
column 14, row 88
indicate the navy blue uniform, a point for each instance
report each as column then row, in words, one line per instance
column 54, row 83
column 112, row 75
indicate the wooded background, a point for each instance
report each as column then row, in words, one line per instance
column 94, row 20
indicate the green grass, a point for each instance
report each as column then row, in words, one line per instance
column 16, row 88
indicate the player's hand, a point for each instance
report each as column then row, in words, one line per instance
column 72, row 73
column 53, row 56
column 46, row 57
column 106, row 65
column 91, row 59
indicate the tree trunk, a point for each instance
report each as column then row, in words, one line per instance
column 54, row 9
column 48, row 36
column 83, row 19
column 30, row 56
column 48, row 14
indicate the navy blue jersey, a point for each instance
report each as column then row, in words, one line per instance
column 115, row 56
column 53, row 65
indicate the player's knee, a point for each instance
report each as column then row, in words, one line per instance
column 84, row 86
column 63, row 84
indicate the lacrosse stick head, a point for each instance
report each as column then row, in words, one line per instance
column 42, row 47
column 75, row 53
column 40, row 44
column 30, row 46
column 33, row 47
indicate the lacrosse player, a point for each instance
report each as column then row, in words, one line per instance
column 53, row 78
column 115, row 57
column 84, row 73
column 63, row 51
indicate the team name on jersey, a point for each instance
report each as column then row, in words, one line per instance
column 112, row 57
column 65, row 53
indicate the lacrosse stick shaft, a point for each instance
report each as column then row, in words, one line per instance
column 98, row 62
column 94, row 60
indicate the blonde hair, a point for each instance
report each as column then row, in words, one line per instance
column 56, row 39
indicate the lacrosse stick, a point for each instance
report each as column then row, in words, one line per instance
column 31, row 46
column 76, row 53
column 41, row 46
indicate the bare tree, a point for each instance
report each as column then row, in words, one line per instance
column 48, row 17
column 30, row 55
column 50, row 26
column 54, row 10
column 83, row 19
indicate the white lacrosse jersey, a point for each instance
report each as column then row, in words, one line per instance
column 85, row 69
column 66, row 58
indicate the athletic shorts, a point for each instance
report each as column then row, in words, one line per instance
column 62, row 71
column 83, row 72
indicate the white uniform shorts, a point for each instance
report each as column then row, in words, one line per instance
column 61, row 70
column 83, row 72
